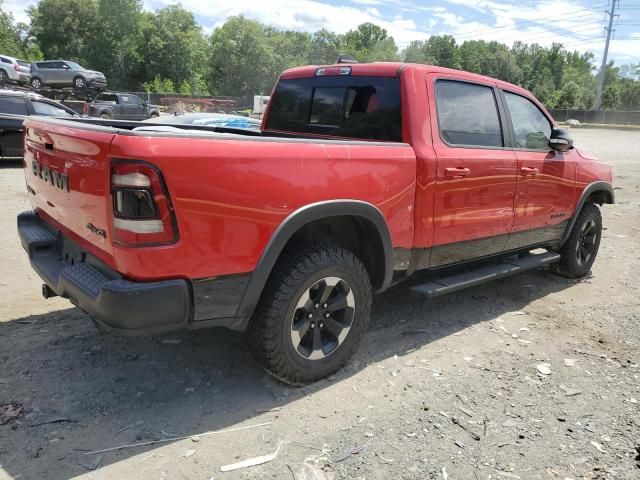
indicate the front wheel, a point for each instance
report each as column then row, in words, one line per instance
column 79, row 82
column 36, row 83
column 312, row 314
column 579, row 251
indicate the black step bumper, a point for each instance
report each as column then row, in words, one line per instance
column 114, row 303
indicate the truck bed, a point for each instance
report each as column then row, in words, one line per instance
column 230, row 188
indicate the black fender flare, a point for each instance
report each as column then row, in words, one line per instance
column 293, row 223
column 599, row 186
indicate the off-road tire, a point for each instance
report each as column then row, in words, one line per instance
column 569, row 265
column 269, row 331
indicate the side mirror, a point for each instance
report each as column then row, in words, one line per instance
column 560, row 140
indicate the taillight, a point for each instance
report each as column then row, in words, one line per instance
column 85, row 108
column 16, row 67
column 141, row 207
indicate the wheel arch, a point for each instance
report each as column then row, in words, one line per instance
column 597, row 192
column 367, row 216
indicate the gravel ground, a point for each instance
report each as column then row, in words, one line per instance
column 472, row 357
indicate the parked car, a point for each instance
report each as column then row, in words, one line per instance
column 361, row 176
column 15, row 106
column 211, row 120
column 120, row 106
column 14, row 70
column 63, row 73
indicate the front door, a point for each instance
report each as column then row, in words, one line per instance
column 546, row 179
column 476, row 172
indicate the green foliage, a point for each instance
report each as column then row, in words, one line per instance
column 167, row 50
column 185, row 88
column 159, row 85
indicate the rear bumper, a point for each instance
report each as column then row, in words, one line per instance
column 116, row 304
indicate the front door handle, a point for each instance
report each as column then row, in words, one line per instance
column 456, row 172
column 529, row 171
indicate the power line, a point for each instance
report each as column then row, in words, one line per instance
column 515, row 25
column 609, row 30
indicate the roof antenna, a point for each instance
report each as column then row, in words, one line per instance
column 346, row 59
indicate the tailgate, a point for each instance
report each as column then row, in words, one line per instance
column 67, row 174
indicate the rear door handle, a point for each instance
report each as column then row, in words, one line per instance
column 529, row 171
column 457, row 172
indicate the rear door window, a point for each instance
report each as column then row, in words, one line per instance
column 13, row 105
column 48, row 109
column 468, row 114
column 342, row 106
column 531, row 127
column 107, row 97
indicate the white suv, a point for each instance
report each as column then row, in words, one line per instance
column 14, row 70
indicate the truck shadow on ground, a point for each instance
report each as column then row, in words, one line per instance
column 107, row 390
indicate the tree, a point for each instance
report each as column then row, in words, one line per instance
column 65, row 28
column 116, row 36
column 172, row 46
column 241, row 59
column 325, row 48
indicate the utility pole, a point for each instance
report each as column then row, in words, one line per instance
column 603, row 68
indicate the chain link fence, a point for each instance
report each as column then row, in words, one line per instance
column 611, row 117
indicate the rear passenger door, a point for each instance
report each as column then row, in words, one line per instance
column 546, row 179
column 476, row 170
column 129, row 107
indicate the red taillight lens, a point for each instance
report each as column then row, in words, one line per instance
column 141, row 207
column 85, row 109
column 16, row 67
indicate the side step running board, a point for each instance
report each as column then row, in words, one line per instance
column 484, row 273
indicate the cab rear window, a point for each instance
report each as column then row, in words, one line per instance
column 343, row 106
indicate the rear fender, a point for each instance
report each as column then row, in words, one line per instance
column 292, row 224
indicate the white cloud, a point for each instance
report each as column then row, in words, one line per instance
column 287, row 14
column 575, row 24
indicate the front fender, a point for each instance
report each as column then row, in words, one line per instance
column 600, row 186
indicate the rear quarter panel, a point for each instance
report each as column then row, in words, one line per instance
column 231, row 195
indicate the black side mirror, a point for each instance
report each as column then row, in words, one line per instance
column 560, row 140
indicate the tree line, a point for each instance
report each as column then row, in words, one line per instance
column 167, row 51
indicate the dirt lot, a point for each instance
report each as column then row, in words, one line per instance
column 472, row 355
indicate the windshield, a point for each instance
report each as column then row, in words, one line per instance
column 74, row 65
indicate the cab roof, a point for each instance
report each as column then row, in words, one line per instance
column 393, row 69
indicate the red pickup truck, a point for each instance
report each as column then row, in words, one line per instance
column 362, row 175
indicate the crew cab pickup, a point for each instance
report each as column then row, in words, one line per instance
column 361, row 176
column 120, row 106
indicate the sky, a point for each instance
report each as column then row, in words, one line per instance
column 578, row 24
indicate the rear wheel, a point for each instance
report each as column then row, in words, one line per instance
column 579, row 251
column 312, row 314
column 36, row 83
column 105, row 115
column 3, row 77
